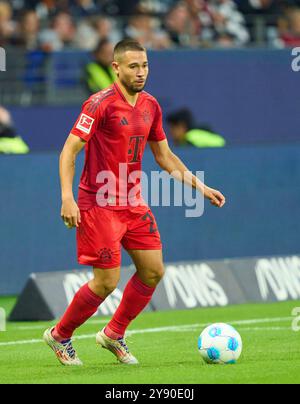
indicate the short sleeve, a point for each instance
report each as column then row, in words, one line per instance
column 88, row 121
column 157, row 133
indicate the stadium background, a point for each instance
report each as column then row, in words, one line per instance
column 229, row 62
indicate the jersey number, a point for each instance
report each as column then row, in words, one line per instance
column 153, row 228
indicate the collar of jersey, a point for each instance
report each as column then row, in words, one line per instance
column 124, row 98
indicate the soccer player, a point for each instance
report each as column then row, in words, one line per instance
column 114, row 127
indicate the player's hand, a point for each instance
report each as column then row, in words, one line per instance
column 70, row 213
column 215, row 197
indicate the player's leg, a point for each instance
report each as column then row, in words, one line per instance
column 84, row 305
column 139, row 290
column 149, row 265
column 142, row 241
column 98, row 244
column 137, row 295
column 87, row 301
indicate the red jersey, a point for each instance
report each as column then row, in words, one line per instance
column 116, row 134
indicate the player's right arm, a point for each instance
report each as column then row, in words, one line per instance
column 83, row 130
column 70, row 212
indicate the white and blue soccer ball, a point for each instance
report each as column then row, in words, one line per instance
column 220, row 344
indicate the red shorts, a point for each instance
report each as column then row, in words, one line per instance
column 103, row 231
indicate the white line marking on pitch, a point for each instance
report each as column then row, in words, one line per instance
column 95, row 321
column 180, row 328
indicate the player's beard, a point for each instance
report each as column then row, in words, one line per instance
column 133, row 89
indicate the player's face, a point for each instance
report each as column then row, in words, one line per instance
column 133, row 70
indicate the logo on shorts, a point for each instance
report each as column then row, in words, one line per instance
column 105, row 255
column 85, row 123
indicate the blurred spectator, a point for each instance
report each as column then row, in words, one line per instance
column 121, row 7
column 28, row 31
column 216, row 23
column 157, row 24
column 65, row 28
column 10, row 142
column 185, row 131
column 61, row 36
column 178, row 23
column 86, row 35
column 99, row 74
column 228, row 23
column 91, row 31
column 146, row 29
column 291, row 37
column 106, row 29
column 262, row 16
column 7, row 26
column 46, row 9
column 259, row 7
column 85, row 8
column 199, row 18
column 156, row 6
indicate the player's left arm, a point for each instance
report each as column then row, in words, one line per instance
column 171, row 163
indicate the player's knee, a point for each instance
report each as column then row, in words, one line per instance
column 109, row 288
column 160, row 273
column 110, row 285
column 156, row 275
column 105, row 287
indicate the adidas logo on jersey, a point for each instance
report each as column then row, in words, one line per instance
column 124, row 122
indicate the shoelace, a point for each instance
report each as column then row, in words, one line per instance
column 69, row 348
column 124, row 345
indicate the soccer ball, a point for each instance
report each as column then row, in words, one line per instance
column 220, row 344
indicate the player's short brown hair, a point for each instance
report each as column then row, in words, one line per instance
column 127, row 45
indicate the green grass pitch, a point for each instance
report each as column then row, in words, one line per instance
column 166, row 346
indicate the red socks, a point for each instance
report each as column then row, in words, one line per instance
column 84, row 305
column 136, row 297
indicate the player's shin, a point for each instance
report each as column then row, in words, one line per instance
column 136, row 297
column 84, row 306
